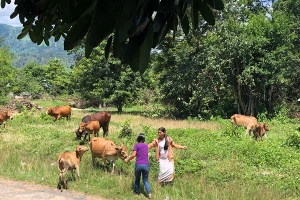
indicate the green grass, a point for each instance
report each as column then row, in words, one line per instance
column 220, row 162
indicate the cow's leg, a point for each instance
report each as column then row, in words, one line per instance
column 73, row 175
column 248, row 130
column 104, row 164
column 113, row 167
column 4, row 124
column 89, row 136
column 63, row 177
column 77, row 171
column 59, row 181
column 106, row 129
column 85, row 135
column 93, row 160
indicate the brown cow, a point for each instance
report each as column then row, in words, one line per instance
column 5, row 115
column 59, row 111
column 91, row 127
column 102, row 117
column 69, row 161
column 260, row 130
column 107, row 150
column 242, row 120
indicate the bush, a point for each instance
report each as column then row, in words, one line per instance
column 293, row 140
column 233, row 131
column 126, row 130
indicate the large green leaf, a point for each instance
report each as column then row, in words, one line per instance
column 82, row 9
column 216, row 4
column 107, row 47
column 166, row 6
column 103, row 23
column 118, row 46
column 77, row 32
column 206, row 12
column 23, row 34
column 159, row 21
column 185, row 25
column 133, row 46
column 88, row 49
column 144, row 55
column 195, row 17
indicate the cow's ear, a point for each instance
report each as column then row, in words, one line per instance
column 118, row 148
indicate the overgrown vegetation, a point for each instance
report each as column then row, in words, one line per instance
column 220, row 162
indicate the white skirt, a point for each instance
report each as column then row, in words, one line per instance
column 166, row 170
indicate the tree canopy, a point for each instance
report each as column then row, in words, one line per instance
column 132, row 27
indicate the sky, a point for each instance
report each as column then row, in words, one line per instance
column 6, row 12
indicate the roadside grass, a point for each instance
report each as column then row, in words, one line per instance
column 220, row 162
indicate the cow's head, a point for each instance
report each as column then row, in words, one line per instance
column 266, row 127
column 80, row 150
column 80, row 130
column 48, row 111
column 9, row 114
column 122, row 152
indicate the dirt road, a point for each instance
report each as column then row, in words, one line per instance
column 18, row 190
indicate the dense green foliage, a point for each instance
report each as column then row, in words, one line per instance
column 248, row 63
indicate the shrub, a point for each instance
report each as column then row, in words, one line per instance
column 126, row 130
column 293, row 140
column 233, row 131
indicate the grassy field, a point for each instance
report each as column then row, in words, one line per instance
column 220, row 162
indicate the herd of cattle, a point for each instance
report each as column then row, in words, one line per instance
column 100, row 147
column 106, row 149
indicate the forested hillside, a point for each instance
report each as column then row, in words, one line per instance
column 25, row 51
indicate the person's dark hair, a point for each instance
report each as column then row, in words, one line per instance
column 162, row 129
column 141, row 138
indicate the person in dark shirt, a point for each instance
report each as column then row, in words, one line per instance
column 140, row 151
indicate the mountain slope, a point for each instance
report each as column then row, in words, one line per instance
column 26, row 51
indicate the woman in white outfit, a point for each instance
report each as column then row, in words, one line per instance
column 164, row 155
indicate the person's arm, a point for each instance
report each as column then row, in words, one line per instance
column 177, row 146
column 133, row 155
column 152, row 144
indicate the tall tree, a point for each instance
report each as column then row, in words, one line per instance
column 100, row 81
column 57, row 76
column 7, row 72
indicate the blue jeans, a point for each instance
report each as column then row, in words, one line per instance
column 144, row 170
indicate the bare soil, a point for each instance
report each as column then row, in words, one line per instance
column 20, row 190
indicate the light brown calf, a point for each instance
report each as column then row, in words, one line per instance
column 59, row 111
column 91, row 127
column 107, row 150
column 69, row 161
column 260, row 130
column 5, row 115
column 242, row 120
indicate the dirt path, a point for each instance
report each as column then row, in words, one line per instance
column 19, row 190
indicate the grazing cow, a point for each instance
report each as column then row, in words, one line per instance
column 102, row 117
column 242, row 120
column 260, row 130
column 107, row 150
column 91, row 127
column 69, row 161
column 5, row 115
column 59, row 111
